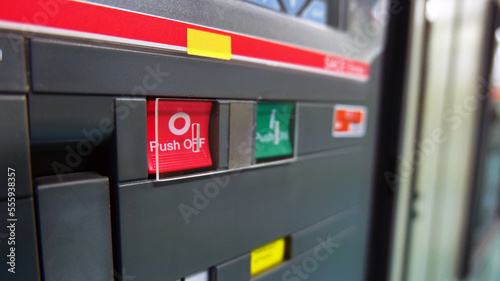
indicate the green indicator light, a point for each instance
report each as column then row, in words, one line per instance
column 273, row 133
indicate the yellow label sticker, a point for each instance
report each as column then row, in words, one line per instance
column 267, row 256
column 208, row 44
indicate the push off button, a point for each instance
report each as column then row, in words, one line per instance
column 178, row 135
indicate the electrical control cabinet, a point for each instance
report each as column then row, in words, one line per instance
column 189, row 140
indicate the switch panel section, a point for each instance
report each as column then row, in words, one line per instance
column 53, row 71
column 178, row 136
column 228, row 215
column 131, row 139
column 323, row 231
column 12, row 63
column 316, row 125
column 332, row 256
column 14, row 147
column 241, row 134
column 234, row 270
column 75, row 227
column 220, row 121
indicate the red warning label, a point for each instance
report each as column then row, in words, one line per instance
column 349, row 121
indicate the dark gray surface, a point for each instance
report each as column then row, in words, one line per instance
column 13, row 64
column 131, row 139
column 303, row 243
column 26, row 252
column 307, row 238
column 242, row 116
column 53, row 71
column 75, row 227
column 14, row 144
column 71, row 133
column 70, row 118
column 234, row 270
column 315, row 129
column 338, row 261
column 223, row 134
column 258, row 205
column 255, row 207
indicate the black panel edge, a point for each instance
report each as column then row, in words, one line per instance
column 394, row 65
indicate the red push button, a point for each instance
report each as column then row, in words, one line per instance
column 182, row 142
column 349, row 121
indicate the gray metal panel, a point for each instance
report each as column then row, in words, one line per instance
column 26, row 253
column 169, row 230
column 63, row 118
column 53, row 71
column 75, row 227
column 307, row 238
column 223, row 134
column 337, row 257
column 315, row 125
column 234, row 270
column 243, row 17
column 12, row 63
column 131, row 139
column 258, row 205
column 242, row 116
column 14, row 144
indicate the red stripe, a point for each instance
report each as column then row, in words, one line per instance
column 85, row 17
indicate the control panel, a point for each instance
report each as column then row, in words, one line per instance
column 158, row 140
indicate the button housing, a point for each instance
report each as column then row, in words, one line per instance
column 242, row 134
column 13, row 77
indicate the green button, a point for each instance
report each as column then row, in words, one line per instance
column 273, row 133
